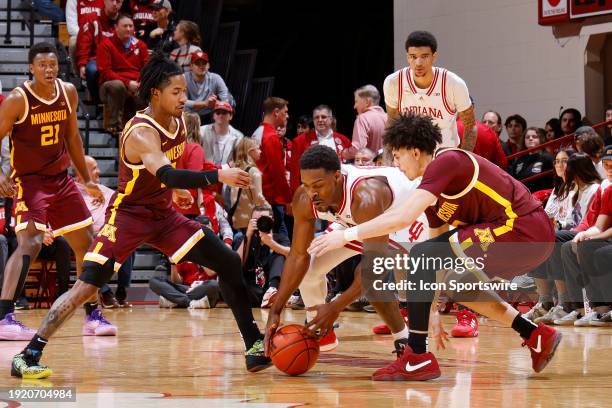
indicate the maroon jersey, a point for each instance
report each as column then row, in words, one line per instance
column 37, row 138
column 138, row 187
column 471, row 190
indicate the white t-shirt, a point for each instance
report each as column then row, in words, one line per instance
column 447, row 95
column 327, row 140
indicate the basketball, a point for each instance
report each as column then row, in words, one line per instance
column 293, row 351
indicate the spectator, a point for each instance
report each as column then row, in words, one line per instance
column 370, row 122
column 287, row 146
column 160, row 39
column 263, row 257
column 98, row 214
column 488, row 144
column 608, row 128
column 553, row 131
column 204, row 88
column 219, row 139
column 322, row 134
column 94, row 28
column 120, row 59
column 304, row 124
column 187, row 36
column 76, row 10
column 515, row 127
column 49, row 9
column 142, row 12
column 570, row 119
column 493, row 120
column 191, row 159
column 246, row 154
column 533, row 163
column 589, row 142
column 364, row 157
column 274, row 183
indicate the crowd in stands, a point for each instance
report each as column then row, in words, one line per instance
column 571, row 178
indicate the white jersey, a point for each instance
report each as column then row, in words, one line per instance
column 447, row 95
column 401, row 188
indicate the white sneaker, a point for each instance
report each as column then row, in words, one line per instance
column 553, row 314
column 165, row 303
column 587, row 319
column 603, row 321
column 293, row 299
column 269, row 297
column 535, row 312
column 568, row 319
column 200, row 303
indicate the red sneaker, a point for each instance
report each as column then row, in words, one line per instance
column 467, row 324
column 542, row 345
column 409, row 366
column 328, row 342
column 384, row 329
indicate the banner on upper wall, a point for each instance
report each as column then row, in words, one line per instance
column 551, row 12
column 588, row 8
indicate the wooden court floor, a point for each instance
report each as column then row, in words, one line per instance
column 186, row 358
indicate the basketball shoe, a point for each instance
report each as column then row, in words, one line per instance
column 255, row 358
column 535, row 312
column 12, row 329
column 409, row 366
column 328, row 342
column 96, row 325
column 555, row 313
column 384, row 329
column 269, row 297
column 467, row 324
column 542, row 344
column 26, row 365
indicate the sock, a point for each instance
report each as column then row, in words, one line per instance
column 523, row 326
column 6, row 307
column 37, row 344
column 403, row 334
column 403, row 304
column 418, row 342
column 418, row 321
column 90, row 307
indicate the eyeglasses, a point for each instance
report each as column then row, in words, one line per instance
column 559, row 161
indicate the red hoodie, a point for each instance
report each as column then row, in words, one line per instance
column 115, row 61
column 91, row 33
column 274, row 180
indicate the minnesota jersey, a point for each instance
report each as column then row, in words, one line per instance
column 447, row 95
column 138, row 187
column 401, row 187
column 37, row 138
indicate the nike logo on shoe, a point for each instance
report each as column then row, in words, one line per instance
column 539, row 346
column 410, row 368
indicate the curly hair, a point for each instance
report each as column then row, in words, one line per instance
column 320, row 157
column 410, row 131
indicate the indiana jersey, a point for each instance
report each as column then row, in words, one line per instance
column 37, row 138
column 400, row 186
column 447, row 95
column 137, row 186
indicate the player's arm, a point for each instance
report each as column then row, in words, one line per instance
column 469, row 128
column 298, row 260
column 11, row 110
column 434, row 232
column 143, row 144
column 392, row 113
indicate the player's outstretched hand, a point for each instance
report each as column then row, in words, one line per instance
column 182, row 198
column 326, row 242
column 327, row 314
column 235, row 178
column 7, row 188
column 94, row 191
column 439, row 334
column 271, row 326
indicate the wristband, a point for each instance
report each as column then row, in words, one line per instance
column 351, row 234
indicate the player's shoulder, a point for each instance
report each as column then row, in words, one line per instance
column 301, row 204
column 391, row 79
column 452, row 78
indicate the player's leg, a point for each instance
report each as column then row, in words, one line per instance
column 29, row 243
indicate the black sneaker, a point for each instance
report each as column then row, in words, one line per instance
column 298, row 305
column 255, row 358
column 26, row 365
column 22, row 304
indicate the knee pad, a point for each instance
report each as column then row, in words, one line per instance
column 96, row 274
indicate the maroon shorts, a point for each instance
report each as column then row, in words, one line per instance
column 53, row 200
column 127, row 228
column 509, row 249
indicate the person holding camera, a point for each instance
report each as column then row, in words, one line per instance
column 263, row 256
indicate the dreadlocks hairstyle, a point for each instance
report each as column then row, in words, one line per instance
column 320, row 157
column 410, row 131
column 41, row 48
column 156, row 75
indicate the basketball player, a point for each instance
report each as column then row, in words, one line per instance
column 41, row 118
column 493, row 214
column 141, row 212
column 345, row 196
column 426, row 90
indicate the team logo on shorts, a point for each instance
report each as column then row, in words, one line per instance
column 21, row 207
column 108, row 231
column 485, row 237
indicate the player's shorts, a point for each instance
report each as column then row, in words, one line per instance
column 127, row 228
column 509, row 249
column 53, row 200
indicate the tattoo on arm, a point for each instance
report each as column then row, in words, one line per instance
column 60, row 311
column 469, row 128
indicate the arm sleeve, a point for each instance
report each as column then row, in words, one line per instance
column 457, row 91
column 390, row 90
column 72, row 20
column 449, row 173
column 175, row 178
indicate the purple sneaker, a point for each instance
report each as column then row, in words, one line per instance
column 11, row 329
column 96, row 325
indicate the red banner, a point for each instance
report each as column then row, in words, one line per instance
column 553, row 11
column 587, row 8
